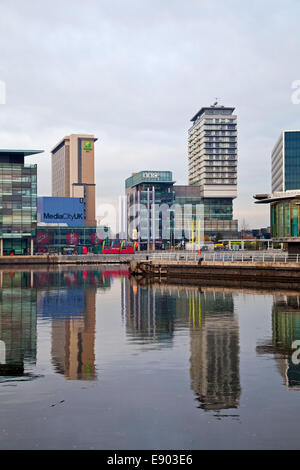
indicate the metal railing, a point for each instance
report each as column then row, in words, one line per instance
column 222, row 257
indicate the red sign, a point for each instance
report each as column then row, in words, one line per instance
column 95, row 239
column 72, row 238
column 42, row 238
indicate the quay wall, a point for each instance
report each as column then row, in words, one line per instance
column 191, row 271
column 64, row 259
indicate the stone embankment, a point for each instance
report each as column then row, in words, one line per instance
column 191, row 271
column 64, row 259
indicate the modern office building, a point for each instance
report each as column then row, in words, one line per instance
column 61, row 238
column 73, row 172
column 285, row 197
column 18, row 202
column 212, row 151
column 212, row 155
column 215, row 214
column 60, row 227
column 156, row 207
column 286, row 162
column 285, row 217
column 146, row 192
column 188, row 226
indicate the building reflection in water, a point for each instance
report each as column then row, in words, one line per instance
column 285, row 330
column 214, row 344
column 73, row 339
column 69, row 299
column 154, row 312
column 18, row 324
column 149, row 315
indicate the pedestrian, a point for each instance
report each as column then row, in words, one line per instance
column 200, row 257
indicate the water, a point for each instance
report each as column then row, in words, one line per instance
column 90, row 359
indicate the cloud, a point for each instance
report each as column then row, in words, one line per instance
column 134, row 73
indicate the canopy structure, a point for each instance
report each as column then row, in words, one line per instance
column 16, row 156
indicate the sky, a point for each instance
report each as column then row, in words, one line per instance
column 134, row 72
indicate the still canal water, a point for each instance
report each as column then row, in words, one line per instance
column 89, row 359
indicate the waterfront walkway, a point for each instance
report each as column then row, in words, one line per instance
column 233, row 257
column 225, row 256
column 261, row 267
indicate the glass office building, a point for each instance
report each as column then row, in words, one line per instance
column 218, row 217
column 286, row 162
column 156, row 209
column 285, row 217
column 149, row 198
column 61, row 239
column 215, row 213
column 285, row 198
column 18, row 202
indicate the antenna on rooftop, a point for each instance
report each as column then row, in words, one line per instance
column 216, row 102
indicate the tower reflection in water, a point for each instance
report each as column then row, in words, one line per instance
column 18, row 324
column 69, row 299
column 153, row 313
column 149, row 315
column 214, row 340
column 285, row 330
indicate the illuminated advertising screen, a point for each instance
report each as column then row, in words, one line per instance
column 61, row 210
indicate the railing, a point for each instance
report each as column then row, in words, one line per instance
column 222, row 257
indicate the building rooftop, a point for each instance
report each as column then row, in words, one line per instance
column 259, row 197
column 67, row 137
column 275, row 197
column 211, row 108
column 24, row 153
column 149, row 176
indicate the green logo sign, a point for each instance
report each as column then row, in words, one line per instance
column 87, row 145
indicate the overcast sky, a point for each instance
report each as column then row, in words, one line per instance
column 134, row 72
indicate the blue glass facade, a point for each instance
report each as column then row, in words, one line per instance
column 292, row 160
column 285, row 217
